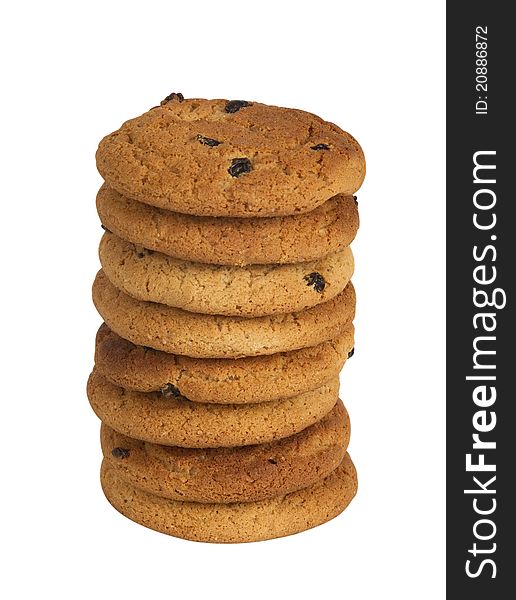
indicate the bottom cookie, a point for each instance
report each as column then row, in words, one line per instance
column 240, row 521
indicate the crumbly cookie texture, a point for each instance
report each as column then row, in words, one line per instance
column 197, row 157
column 221, row 380
column 239, row 521
column 175, row 421
column 252, row 291
column 245, row 474
column 232, row 241
column 212, row 336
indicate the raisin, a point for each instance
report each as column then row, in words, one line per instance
column 208, row 141
column 320, row 147
column 170, row 391
column 272, row 461
column 141, row 252
column 351, row 352
column 173, row 96
column 239, row 166
column 234, row 106
column 120, row 452
column 316, row 280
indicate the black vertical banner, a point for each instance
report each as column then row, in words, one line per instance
column 481, row 274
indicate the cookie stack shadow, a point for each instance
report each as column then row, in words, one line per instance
column 228, row 314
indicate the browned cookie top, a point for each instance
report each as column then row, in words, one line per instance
column 175, row 421
column 242, row 474
column 232, row 240
column 178, row 331
column 221, row 380
column 230, row 158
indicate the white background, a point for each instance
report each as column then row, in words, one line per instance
column 73, row 71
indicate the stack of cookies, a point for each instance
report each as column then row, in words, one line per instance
column 227, row 304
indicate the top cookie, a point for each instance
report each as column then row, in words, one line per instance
column 236, row 158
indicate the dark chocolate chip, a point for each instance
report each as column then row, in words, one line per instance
column 141, row 252
column 272, row 461
column 355, row 199
column 120, row 452
column 316, row 280
column 239, row 166
column 173, row 96
column 170, row 391
column 234, row 106
column 351, row 352
column 320, row 147
column 208, row 141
